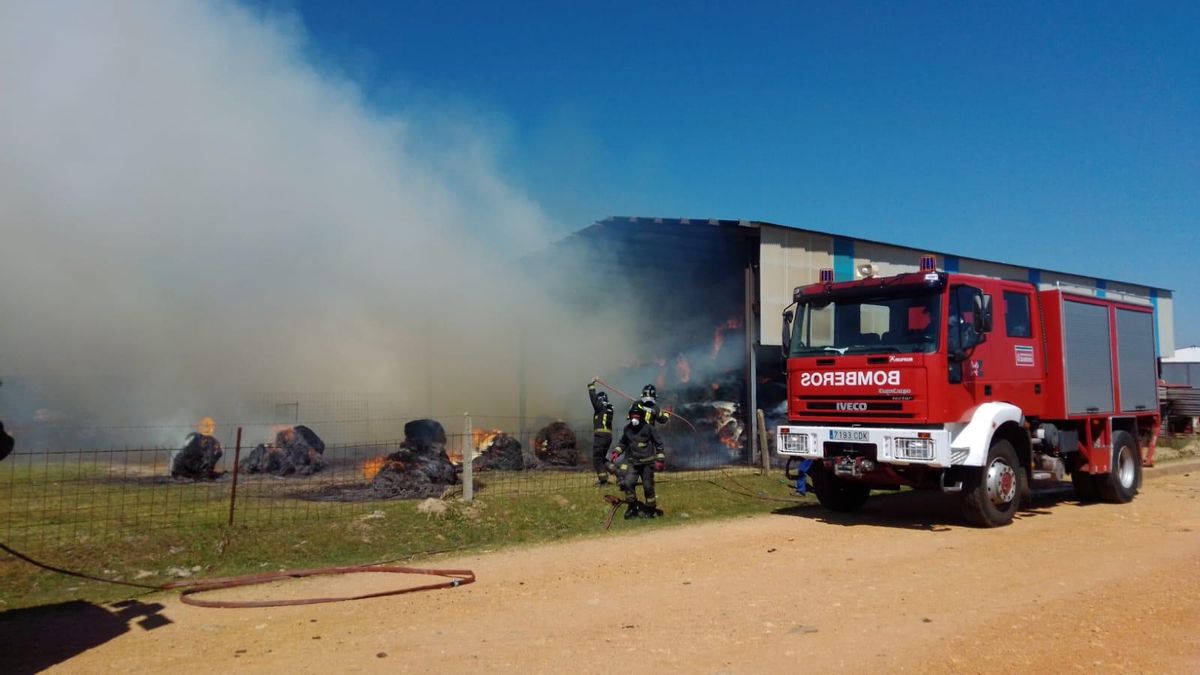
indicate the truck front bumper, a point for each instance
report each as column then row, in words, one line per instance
column 929, row 447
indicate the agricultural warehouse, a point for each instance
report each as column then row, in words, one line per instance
column 718, row 285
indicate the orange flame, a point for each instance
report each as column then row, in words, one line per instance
column 206, row 427
column 482, row 438
column 719, row 334
column 372, row 467
column 728, row 436
column 683, row 369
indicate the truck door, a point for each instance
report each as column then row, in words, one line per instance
column 966, row 347
column 1016, row 351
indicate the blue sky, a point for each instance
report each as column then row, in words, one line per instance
column 1061, row 136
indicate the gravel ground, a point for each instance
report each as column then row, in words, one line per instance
column 901, row 586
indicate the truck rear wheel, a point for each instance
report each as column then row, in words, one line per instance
column 837, row 494
column 992, row 493
column 1121, row 483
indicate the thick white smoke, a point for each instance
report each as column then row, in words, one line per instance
column 192, row 212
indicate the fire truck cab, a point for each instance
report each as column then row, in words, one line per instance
column 970, row 385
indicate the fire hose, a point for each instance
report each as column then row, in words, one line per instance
column 673, row 415
column 614, row 503
column 188, row 589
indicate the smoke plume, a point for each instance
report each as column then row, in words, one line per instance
column 193, row 213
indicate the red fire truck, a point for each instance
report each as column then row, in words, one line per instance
column 969, row 385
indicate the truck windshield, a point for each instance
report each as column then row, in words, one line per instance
column 867, row 325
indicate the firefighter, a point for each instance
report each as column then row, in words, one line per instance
column 602, row 415
column 649, row 401
column 641, row 454
column 6, row 442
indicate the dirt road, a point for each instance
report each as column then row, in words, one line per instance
column 1065, row 588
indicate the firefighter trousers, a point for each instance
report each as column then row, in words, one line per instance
column 629, row 481
column 601, row 442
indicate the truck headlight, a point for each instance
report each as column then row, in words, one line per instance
column 793, row 443
column 914, row 448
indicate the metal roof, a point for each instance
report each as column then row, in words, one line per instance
column 755, row 224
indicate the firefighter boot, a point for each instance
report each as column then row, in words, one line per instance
column 631, row 509
column 650, row 510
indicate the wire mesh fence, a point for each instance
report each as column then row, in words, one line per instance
column 53, row 497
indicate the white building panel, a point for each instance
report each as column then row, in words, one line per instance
column 990, row 269
column 787, row 259
column 1166, row 323
column 889, row 260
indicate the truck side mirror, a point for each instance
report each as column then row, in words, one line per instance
column 983, row 313
column 787, row 334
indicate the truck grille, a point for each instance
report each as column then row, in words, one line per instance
column 861, row 408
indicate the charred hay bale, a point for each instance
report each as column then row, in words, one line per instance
column 409, row 474
column 301, row 450
column 424, row 431
column 554, row 444
column 296, row 451
column 503, row 453
column 424, row 448
column 262, row 459
column 197, row 459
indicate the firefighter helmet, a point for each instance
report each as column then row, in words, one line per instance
column 649, row 391
column 638, row 413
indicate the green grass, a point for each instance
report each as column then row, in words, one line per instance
column 273, row 531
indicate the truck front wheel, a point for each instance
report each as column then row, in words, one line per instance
column 837, row 494
column 991, row 493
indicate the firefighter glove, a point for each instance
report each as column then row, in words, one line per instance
column 660, row 465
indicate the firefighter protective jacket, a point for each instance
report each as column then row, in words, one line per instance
column 602, row 413
column 656, row 416
column 641, row 444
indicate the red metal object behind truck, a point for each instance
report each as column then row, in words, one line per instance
column 967, row 384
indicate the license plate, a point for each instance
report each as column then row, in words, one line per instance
column 852, row 435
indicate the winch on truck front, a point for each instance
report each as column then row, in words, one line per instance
column 967, row 384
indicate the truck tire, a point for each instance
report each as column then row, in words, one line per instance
column 992, row 493
column 837, row 494
column 1121, row 483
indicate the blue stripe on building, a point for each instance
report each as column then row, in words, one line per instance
column 1101, row 286
column 951, row 263
column 1035, row 277
column 1154, row 305
column 843, row 259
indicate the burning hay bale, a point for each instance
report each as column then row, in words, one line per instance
column 296, row 451
column 554, row 444
column 197, row 459
column 419, row 470
column 501, row 452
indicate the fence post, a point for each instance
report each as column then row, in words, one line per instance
column 468, row 454
column 764, row 445
column 237, row 457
